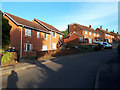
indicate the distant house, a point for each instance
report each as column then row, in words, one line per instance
column 105, row 35
column 29, row 36
column 79, row 33
column 116, row 35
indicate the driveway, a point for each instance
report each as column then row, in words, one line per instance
column 73, row 71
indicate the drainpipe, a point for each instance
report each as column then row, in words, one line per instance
column 21, row 42
column 50, row 41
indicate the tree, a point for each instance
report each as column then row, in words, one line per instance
column 5, row 31
column 65, row 33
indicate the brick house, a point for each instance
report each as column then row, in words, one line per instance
column 81, row 33
column 105, row 35
column 117, row 36
column 55, row 36
column 28, row 37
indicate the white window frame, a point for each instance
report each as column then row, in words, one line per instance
column 60, row 36
column 90, row 33
column 94, row 34
column 54, row 47
column 90, row 40
column 45, row 35
column 85, row 32
column 38, row 34
column 26, row 47
column 106, row 34
column 74, row 32
column 44, row 47
column 27, row 32
column 54, row 34
column 97, row 35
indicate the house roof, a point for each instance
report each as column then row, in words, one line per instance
column 20, row 21
column 48, row 26
column 87, row 28
column 115, row 34
column 104, row 31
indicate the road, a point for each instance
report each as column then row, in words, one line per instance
column 73, row 71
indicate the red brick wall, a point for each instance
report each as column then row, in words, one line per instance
column 15, row 37
column 73, row 40
column 73, row 28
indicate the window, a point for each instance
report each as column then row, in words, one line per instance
column 28, row 47
column 106, row 34
column 97, row 35
column 94, row 34
column 70, row 33
column 38, row 34
column 90, row 40
column 44, row 48
column 74, row 32
column 45, row 35
column 60, row 36
column 27, row 32
column 89, row 33
column 54, row 34
column 54, row 46
column 85, row 32
column 74, row 26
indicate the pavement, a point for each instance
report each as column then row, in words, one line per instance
column 71, row 71
column 17, row 67
column 108, row 75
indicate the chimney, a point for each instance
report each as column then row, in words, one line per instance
column 117, row 32
column 68, row 29
column 90, row 26
column 113, row 30
column 100, row 27
column 107, row 30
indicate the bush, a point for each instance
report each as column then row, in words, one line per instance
column 8, row 58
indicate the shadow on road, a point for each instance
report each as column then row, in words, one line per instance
column 12, row 80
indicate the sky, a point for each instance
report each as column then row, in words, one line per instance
column 60, row 14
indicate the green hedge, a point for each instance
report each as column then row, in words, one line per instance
column 7, row 59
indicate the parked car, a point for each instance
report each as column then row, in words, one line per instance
column 107, row 45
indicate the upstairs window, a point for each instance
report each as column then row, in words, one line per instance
column 74, row 32
column 60, row 36
column 45, row 35
column 89, row 33
column 27, row 32
column 97, row 35
column 85, row 32
column 54, row 34
column 94, row 34
column 38, row 34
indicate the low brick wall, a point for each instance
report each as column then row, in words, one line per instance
column 58, row 52
column 30, row 54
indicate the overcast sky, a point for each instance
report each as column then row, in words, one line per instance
column 60, row 14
